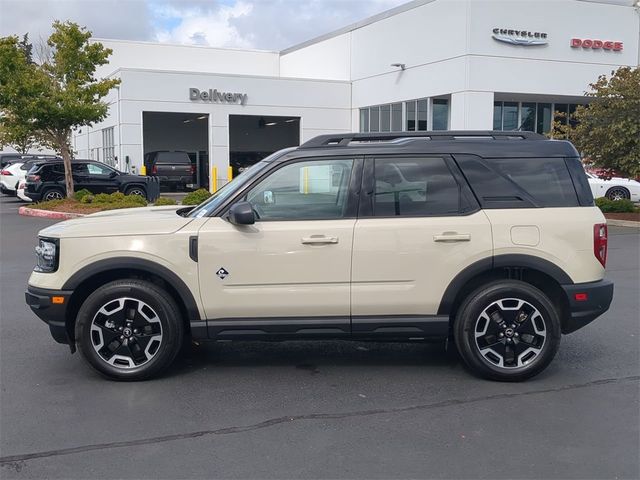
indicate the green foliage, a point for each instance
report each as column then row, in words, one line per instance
column 164, row 201
column 607, row 132
column 87, row 198
column 80, row 194
column 616, row 206
column 61, row 94
column 113, row 199
column 196, row 197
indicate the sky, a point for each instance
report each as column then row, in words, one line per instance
column 260, row 24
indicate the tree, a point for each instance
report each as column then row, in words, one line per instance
column 60, row 94
column 607, row 131
column 17, row 134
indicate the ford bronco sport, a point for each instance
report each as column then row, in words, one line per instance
column 488, row 239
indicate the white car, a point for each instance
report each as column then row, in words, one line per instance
column 20, row 193
column 10, row 177
column 615, row 188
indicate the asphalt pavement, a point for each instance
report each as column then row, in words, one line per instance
column 317, row 410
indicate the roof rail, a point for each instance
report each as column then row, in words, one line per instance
column 344, row 139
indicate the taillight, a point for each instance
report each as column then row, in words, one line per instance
column 193, row 169
column 6, row 172
column 600, row 242
column 33, row 178
column 154, row 170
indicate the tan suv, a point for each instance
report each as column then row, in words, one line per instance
column 489, row 239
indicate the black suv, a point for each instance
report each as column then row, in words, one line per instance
column 174, row 169
column 45, row 181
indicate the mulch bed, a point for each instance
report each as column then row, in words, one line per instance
column 630, row 217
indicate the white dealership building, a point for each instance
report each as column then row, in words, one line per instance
column 428, row 64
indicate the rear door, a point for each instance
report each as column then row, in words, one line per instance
column 419, row 226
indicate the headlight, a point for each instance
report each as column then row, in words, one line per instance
column 47, row 255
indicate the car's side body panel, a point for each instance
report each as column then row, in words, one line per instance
column 402, row 265
column 562, row 236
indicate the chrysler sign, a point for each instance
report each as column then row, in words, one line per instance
column 217, row 97
column 519, row 37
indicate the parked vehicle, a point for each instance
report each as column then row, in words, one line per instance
column 174, row 169
column 488, row 240
column 20, row 193
column 45, row 181
column 614, row 188
column 15, row 172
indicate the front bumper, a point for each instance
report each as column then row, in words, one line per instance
column 53, row 314
column 587, row 301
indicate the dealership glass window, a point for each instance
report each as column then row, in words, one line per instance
column 374, row 119
column 411, row 115
column 108, row 146
column 528, row 117
column 364, row 119
column 560, row 113
column 440, row 114
column 303, row 190
column 422, row 114
column 510, row 116
column 544, row 118
column 396, row 117
column 385, row 118
column 497, row 115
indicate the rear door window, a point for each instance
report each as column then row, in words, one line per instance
column 173, row 157
column 414, row 186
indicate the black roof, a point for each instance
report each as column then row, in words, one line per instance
column 487, row 144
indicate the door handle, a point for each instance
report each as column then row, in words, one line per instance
column 318, row 240
column 452, row 237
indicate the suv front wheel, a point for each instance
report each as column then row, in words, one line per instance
column 129, row 330
column 507, row 330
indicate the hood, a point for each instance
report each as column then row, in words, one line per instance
column 132, row 221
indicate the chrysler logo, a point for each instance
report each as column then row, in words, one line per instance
column 519, row 37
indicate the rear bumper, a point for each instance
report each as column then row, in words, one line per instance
column 594, row 300
column 53, row 314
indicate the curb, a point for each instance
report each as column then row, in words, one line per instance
column 622, row 223
column 34, row 212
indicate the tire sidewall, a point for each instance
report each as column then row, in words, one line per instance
column 130, row 190
column 51, row 190
column 479, row 300
column 158, row 300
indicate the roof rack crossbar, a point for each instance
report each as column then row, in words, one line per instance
column 344, row 139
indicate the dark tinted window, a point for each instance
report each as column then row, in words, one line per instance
column 519, row 182
column 173, row 157
column 414, row 187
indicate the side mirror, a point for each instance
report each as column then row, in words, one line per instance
column 113, row 174
column 241, row 213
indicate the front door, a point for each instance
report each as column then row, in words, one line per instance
column 289, row 273
column 419, row 227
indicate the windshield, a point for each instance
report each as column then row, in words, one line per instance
column 208, row 206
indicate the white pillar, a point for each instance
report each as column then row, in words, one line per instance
column 472, row 111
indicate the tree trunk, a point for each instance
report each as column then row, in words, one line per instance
column 65, row 150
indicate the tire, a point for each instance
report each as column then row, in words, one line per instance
column 618, row 193
column 487, row 341
column 118, row 349
column 52, row 194
column 136, row 191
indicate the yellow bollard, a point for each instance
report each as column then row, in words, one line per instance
column 143, row 170
column 229, row 173
column 214, row 179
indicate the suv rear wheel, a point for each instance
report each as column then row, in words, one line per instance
column 507, row 330
column 129, row 330
column 136, row 191
column 52, row 194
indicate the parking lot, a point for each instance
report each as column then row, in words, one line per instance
column 317, row 410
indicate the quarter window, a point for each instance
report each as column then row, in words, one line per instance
column 414, row 187
column 304, row 191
